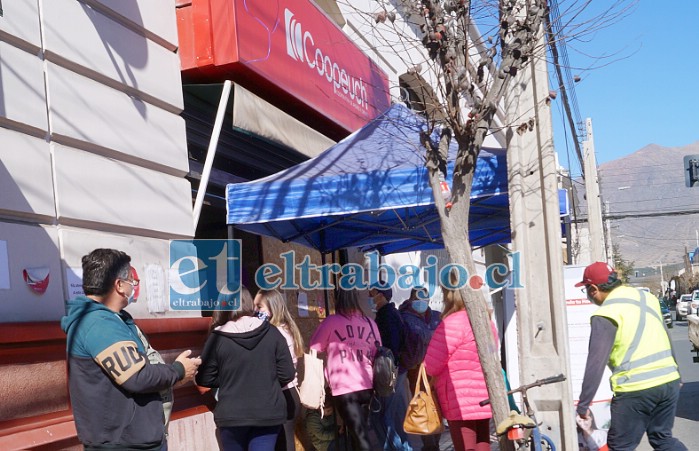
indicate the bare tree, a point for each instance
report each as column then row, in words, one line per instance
column 505, row 35
column 519, row 23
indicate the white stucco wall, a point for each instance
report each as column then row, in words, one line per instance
column 93, row 152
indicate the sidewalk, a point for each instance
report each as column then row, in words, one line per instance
column 445, row 443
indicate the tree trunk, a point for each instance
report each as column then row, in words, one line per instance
column 454, row 225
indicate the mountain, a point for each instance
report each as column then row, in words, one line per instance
column 650, row 181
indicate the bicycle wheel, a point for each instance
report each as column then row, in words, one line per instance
column 547, row 444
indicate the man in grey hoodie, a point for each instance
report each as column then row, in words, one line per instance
column 114, row 389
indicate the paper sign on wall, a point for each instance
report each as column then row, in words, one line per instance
column 4, row 267
column 320, row 301
column 155, row 288
column 74, row 279
column 303, row 305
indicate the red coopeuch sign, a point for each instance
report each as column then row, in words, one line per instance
column 296, row 47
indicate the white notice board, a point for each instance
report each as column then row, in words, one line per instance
column 579, row 310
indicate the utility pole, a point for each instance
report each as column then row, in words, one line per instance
column 594, row 204
column 542, row 332
column 608, row 234
column 662, row 278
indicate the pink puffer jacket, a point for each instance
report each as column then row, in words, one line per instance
column 452, row 358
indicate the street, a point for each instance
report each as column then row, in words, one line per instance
column 687, row 410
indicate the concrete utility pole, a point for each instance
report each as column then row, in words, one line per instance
column 662, row 278
column 542, row 332
column 594, row 203
column 608, row 248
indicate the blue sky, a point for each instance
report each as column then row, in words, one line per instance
column 650, row 94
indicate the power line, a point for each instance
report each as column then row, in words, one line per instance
column 559, row 52
column 619, row 205
column 617, row 216
column 652, row 238
column 649, row 215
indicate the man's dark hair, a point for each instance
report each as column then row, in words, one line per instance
column 101, row 268
column 613, row 282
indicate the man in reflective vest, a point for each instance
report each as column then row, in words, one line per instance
column 629, row 335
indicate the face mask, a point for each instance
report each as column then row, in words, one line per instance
column 130, row 299
column 420, row 305
column 372, row 304
column 264, row 316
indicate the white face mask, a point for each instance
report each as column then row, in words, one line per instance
column 372, row 304
column 130, row 299
column 420, row 305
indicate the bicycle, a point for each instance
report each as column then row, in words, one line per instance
column 523, row 430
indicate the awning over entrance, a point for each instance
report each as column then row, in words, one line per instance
column 370, row 189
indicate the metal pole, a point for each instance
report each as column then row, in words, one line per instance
column 325, row 291
column 211, row 151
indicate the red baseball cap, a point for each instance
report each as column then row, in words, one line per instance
column 596, row 274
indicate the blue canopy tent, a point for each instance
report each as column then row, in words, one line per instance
column 369, row 190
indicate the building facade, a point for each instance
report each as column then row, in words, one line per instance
column 106, row 112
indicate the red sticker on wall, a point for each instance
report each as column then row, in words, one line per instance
column 37, row 279
column 137, row 289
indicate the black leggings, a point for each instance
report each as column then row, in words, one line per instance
column 285, row 441
column 354, row 409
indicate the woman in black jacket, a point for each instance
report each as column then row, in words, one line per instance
column 249, row 362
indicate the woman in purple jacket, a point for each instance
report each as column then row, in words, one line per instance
column 452, row 359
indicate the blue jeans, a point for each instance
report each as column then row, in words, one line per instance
column 651, row 411
column 388, row 422
column 249, row 438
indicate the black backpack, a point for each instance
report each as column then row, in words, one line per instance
column 384, row 367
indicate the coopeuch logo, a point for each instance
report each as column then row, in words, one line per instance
column 205, row 274
column 301, row 46
column 294, row 36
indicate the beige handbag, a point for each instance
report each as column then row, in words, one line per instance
column 312, row 390
column 423, row 416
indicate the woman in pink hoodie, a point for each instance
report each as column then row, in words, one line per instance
column 348, row 338
column 452, row 359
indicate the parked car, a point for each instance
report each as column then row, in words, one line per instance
column 694, row 305
column 667, row 316
column 683, row 307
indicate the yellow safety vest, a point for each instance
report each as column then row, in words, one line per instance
column 641, row 357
